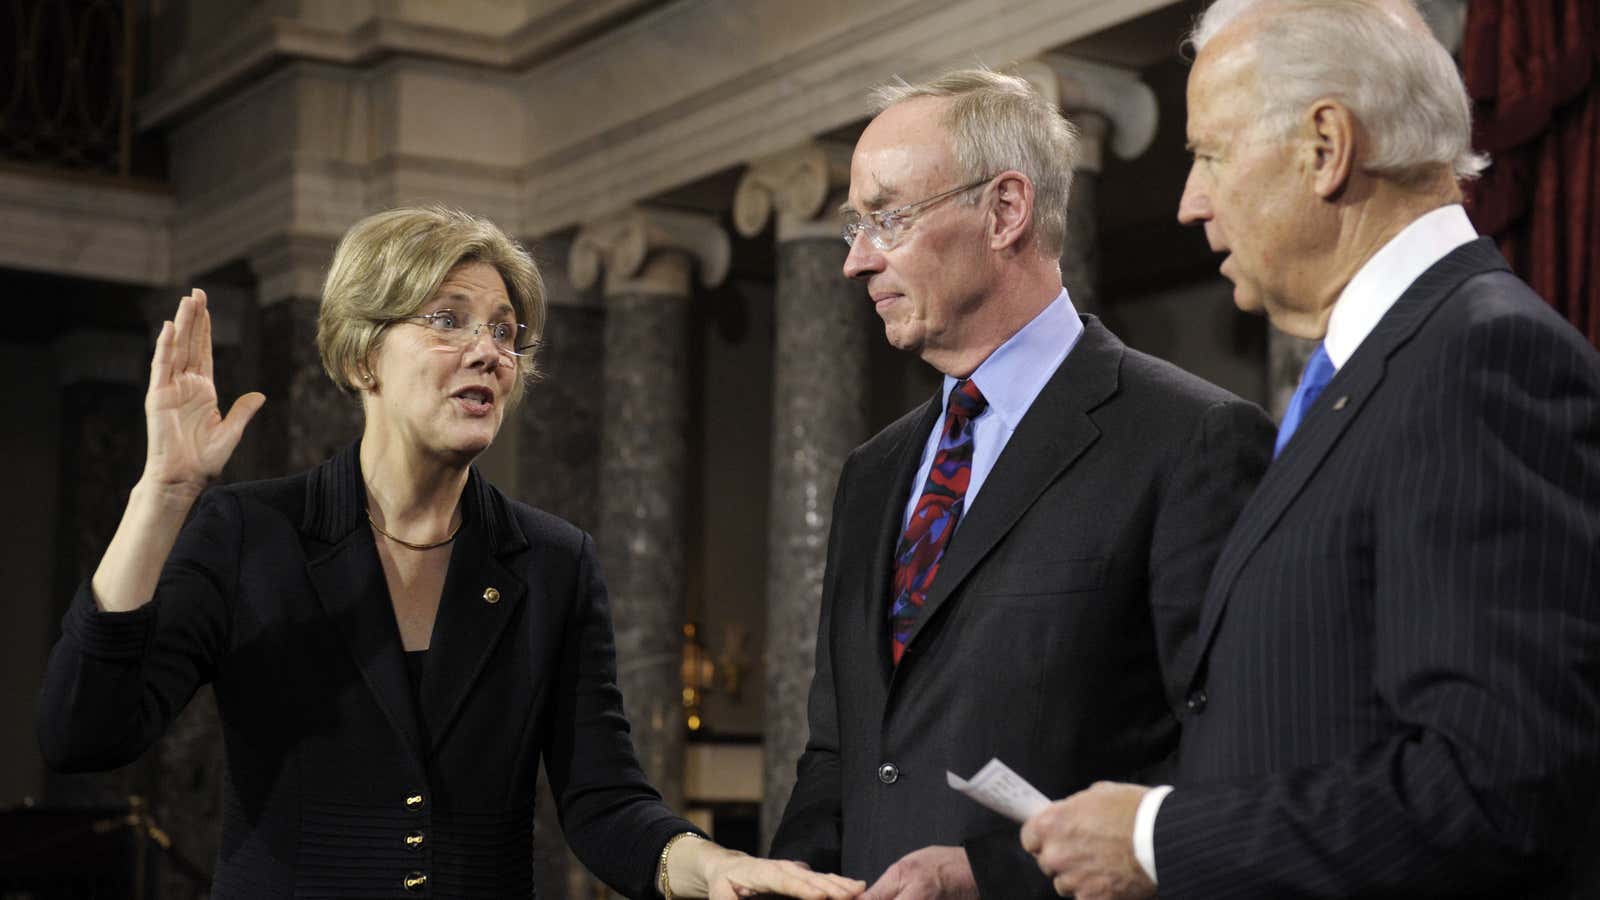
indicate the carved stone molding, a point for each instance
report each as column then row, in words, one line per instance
column 291, row 267
column 635, row 248
column 798, row 184
column 1126, row 105
column 746, row 85
column 493, row 35
column 81, row 230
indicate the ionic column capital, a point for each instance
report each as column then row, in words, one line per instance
column 1087, row 90
column 623, row 246
column 798, row 183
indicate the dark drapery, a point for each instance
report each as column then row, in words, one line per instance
column 1533, row 70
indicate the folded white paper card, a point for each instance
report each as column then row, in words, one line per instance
column 1002, row 790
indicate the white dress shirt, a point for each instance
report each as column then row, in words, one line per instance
column 1370, row 294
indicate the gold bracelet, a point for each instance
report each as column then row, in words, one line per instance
column 663, row 882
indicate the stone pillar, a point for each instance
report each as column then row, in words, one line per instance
column 558, row 425
column 558, row 470
column 307, row 418
column 1286, row 359
column 101, row 378
column 819, row 413
column 1080, row 258
column 647, row 257
column 1111, row 106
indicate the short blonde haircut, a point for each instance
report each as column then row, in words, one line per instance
column 998, row 122
column 391, row 264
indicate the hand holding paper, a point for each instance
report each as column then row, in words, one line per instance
column 1002, row 790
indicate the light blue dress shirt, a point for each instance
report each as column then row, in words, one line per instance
column 1010, row 379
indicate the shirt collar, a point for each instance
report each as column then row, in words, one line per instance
column 1017, row 370
column 1379, row 283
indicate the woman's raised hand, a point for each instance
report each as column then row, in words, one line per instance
column 188, row 439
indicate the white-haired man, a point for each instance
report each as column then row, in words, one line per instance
column 1396, row 689
column 1015, row 567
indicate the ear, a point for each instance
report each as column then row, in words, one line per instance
column 1013, row 210
column 361, row 376
column 1332, row 147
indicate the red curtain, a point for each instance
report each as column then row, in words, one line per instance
column 1533, row 70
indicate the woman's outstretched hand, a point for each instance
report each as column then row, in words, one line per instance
column 700, row 868
column 189, row 440
column 741, row 877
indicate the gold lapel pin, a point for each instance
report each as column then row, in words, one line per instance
column 1342, row 402
column 490, row 595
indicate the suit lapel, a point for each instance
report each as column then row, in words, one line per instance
column 1344, row 399
column 349, row 584
column 1054, row 432
column 469, row 625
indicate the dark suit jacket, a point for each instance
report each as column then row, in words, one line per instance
column 274, row 594
column 1071, row 584
column 1400, row 688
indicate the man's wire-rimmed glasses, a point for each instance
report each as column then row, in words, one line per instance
column 510, row 338
column 886, row 228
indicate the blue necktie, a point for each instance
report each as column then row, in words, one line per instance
column 1319, row 371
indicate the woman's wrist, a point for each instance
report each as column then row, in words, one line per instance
column 664, row 869
column 164, row 497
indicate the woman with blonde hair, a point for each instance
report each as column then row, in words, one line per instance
column 394, row 644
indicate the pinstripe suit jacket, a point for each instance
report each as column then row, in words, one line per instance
column 1398, row 692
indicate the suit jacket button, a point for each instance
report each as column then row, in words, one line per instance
column 415, row 840
column 888, row 773
column 1196, row 702
column 415, row 881
column 491, row 595
column 414, row 802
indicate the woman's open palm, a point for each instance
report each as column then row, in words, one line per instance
column 188, row 439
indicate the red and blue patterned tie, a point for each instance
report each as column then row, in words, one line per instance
column 938, row 510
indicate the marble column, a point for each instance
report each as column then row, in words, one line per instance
column 1112, row 109
column 101, row 379
column 1286, row 359
column 558, row 425
column 1080, row 258
column 819, row 414
column 558, row 470
column 307, row 418
column 647, row 257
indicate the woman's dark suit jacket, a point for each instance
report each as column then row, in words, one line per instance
column 343, row 782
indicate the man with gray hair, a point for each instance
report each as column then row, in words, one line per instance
column 1015, row 567
column 1395, row 691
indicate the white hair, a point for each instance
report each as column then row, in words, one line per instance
column 1398, row 81
column 998, row 122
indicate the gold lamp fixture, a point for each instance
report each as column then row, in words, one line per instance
column 702, row 674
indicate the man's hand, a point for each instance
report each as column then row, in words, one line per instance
column 932, row 873
column 1084, row 844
